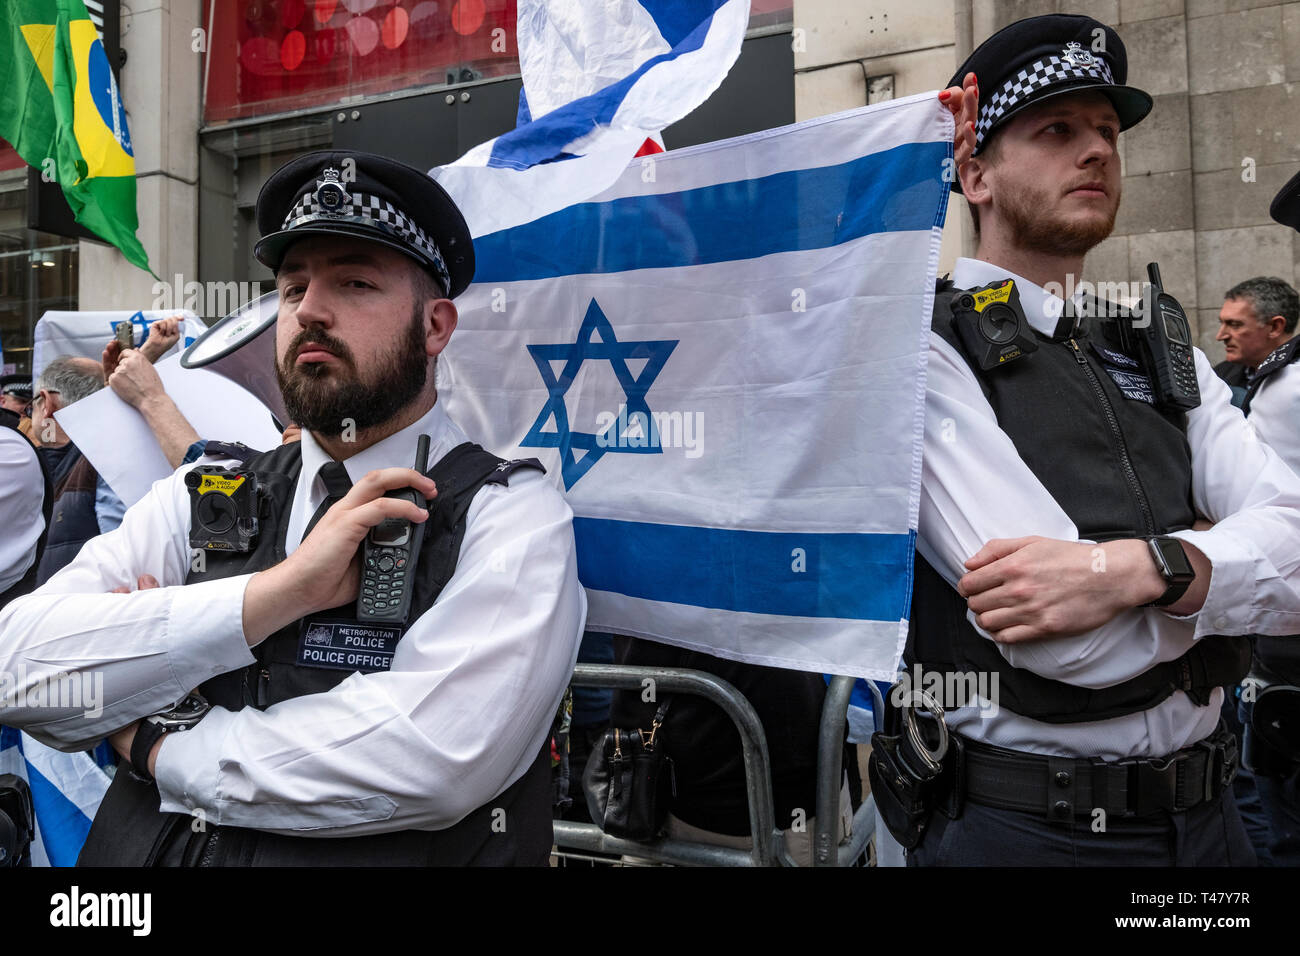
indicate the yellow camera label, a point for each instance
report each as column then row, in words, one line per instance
column 227, row 486
column 989, row 296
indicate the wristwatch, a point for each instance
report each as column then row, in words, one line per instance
column 1171, row 561
column 181, row 716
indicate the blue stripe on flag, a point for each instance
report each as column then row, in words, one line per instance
column 854, row 576
column 544, row 139
column 676, row 20
column 62, row 824
column 895, row 190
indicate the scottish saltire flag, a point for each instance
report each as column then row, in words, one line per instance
column 599, row 78
column 66, row 791
column 62, row 111
column 720, row 359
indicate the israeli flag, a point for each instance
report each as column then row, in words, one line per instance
column 599, row 79
column 66, row 791
column 720, row 359
column 85, row 334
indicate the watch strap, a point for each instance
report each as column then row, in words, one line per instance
column 1176, row 583
column 146, row 736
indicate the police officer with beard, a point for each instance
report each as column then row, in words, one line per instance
column 410, row 743
column 1056, row 556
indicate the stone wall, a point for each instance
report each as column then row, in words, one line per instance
column 1199, row 172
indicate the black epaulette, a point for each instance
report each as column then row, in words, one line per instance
column 1281, row 356
column 1284, row 354
column 501, row 474
column 232, row 449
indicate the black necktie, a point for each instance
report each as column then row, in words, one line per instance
column 337, row 484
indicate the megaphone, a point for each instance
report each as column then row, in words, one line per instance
column 241, row 347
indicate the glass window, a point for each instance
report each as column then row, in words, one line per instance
column 770, row 13
column 38, row 271
column 275, row 56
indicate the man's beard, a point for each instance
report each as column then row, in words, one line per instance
column 318, row 399
column 1032, row 231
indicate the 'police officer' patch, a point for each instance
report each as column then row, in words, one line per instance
column 347, row 645
column 1125, row 372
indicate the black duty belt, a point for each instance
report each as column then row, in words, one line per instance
column 1066, row 787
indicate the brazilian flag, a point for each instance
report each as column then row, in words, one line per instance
column 61, row 110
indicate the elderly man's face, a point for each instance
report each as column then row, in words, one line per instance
column 1245, row 339
column 351, row 333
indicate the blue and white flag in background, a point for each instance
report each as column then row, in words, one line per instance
column 66, row 791
column 64, row 334
column 599, row 78
column 720, row 358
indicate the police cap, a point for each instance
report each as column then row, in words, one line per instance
column 350, row 193
column 1043, row 57
column 19, row 386
column 1285, row 207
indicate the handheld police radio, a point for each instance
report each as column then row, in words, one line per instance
column 1166, row 340
column 389, row 555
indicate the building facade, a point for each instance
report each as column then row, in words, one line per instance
column 220, row 92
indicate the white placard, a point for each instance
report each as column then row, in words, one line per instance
column 115, row 438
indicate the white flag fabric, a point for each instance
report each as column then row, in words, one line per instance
column 599, row 78
column 720, row 358
column 84, row 334
column 66, row 793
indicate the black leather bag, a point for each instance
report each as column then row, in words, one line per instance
column 629, row 782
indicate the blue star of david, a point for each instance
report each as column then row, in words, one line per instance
column 573, row 355
column 144, row 324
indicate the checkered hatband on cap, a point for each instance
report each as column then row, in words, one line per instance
column 373, row 212
column 1040, row 74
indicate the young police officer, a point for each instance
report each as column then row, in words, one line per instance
column 1108, row 656
column 404, row 745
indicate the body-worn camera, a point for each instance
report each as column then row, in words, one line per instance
column 992, row 325
column 223, row 508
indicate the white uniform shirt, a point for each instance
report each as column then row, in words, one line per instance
column 22, row 492
column 461, row 715
column 1275, row 413
column 975, row 486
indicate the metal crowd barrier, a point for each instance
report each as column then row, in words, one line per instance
column 768, row 842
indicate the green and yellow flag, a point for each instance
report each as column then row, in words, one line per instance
column 60, row 108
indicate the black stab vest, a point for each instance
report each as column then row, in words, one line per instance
column 129, row 829
column 27, row 583
column 1119, row 468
